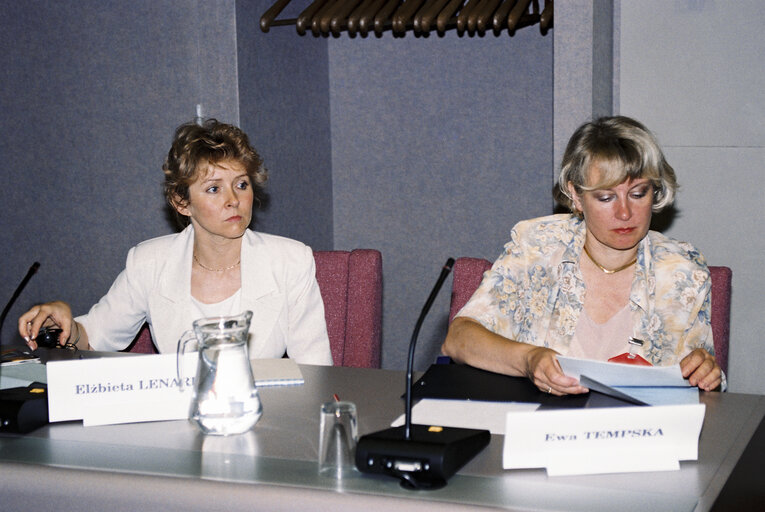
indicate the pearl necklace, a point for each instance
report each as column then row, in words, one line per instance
column 606, row 270
column 216, row 269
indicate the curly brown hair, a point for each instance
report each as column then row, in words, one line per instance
column 195, row 147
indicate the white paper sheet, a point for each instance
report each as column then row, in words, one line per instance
column 276, row 372
column 618, row 374
column 663, row 395
column 464, row 413
column 18, row 375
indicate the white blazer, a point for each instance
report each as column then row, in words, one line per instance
column 278, row 285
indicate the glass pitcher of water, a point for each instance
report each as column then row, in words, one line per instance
column 225, row 399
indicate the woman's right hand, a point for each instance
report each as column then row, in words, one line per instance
column 543, row 369
column 56, row 313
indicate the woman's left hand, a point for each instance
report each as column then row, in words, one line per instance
column 701, row 369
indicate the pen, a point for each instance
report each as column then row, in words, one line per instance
column 337, row 398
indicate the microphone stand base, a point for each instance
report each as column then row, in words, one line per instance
column 426, row 460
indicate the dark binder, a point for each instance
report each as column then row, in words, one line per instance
column 463, row 382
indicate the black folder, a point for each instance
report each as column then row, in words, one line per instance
column 463, row 382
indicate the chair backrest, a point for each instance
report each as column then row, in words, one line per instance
column 721, row 294
column 143, row 343
column 351, row 288
column 468, row 273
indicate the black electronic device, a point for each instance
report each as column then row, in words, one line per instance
column 420, row 456
column 23, row 409
column 48, row 337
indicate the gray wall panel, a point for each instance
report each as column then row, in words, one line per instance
column 92, row 92
column 284, row 91
column 439, row 145
column 690, row 71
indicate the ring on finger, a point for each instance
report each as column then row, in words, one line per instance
column 549, row 390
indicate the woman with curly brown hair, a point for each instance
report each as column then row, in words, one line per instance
column 216, row 266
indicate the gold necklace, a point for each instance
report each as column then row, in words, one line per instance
column 216, row 269
column 604, row 269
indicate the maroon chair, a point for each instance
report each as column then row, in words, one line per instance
column 143, row 343
column 721, row 295
column 351, row 288
column 468, row 273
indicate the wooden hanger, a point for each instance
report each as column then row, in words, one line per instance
column 332, row 17
column 425, row 16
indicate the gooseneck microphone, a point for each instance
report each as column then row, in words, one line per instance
column 413, row 342
column 22, row 409
column 19, row 288
column 420, row 456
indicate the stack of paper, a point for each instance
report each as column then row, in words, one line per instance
column 643, row 385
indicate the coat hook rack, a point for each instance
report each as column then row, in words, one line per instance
column 324, row 18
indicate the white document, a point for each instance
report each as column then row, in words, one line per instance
column 622, row 375
column 663, row 395
column 21, row 375
column 464, row 413
column 276, row 372
column 608, row 440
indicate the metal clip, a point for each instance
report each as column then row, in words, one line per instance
column 634, row 342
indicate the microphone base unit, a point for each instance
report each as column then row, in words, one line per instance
column 424, row 461
column 23, row 409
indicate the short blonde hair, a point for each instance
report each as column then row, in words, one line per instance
column 623, row 149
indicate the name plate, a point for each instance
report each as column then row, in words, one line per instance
column 120, row 389
column 608, row 440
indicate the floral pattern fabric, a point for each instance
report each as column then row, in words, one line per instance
column 534, row 292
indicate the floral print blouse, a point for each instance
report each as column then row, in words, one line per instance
column 534, row 293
